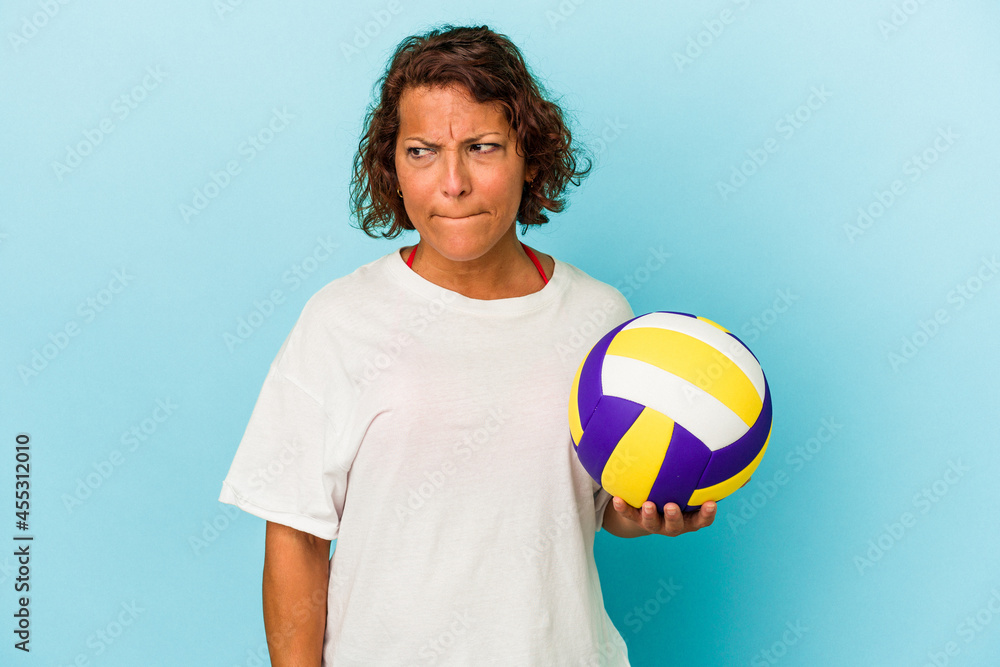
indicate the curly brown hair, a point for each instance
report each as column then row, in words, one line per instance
column 492, row 69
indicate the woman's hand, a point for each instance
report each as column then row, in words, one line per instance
column 672, row 522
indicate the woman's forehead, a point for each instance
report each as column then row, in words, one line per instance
column 444, row 107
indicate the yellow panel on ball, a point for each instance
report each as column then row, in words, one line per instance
column 714, row 324
column 575, row 427
column 695, row 361
column 636, row 460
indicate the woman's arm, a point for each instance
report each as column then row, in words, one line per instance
column 296, row 577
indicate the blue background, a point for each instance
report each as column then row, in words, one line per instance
column 868, row 536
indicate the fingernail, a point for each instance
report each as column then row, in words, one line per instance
column 672, row 511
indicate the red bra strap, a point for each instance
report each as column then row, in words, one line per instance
column 538, row 265
column 534, row 259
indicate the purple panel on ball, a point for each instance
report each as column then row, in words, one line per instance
column 611, row 418
column 682, row 467
column 729, row 460
column 590, row 389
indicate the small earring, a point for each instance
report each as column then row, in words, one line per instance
column 398, row 192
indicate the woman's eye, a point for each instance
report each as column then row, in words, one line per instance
column 476, row 148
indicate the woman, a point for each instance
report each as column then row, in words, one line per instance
column 417, row 410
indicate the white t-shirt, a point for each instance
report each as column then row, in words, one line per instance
column 427, row 433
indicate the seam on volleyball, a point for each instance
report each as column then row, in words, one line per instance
column 701, row 475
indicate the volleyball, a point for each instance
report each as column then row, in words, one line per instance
column 670, row 407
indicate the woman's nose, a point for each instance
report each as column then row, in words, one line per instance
column 455, row 177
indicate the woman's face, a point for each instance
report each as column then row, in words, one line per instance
column 458, row 169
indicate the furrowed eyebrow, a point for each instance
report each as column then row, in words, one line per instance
column 470, row 140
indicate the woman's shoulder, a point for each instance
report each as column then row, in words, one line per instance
column 593, row 289
column 363, row 284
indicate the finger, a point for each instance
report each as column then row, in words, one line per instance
column 705, row 516
column 673, row 520
column 651, row 519
column 626, row 510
